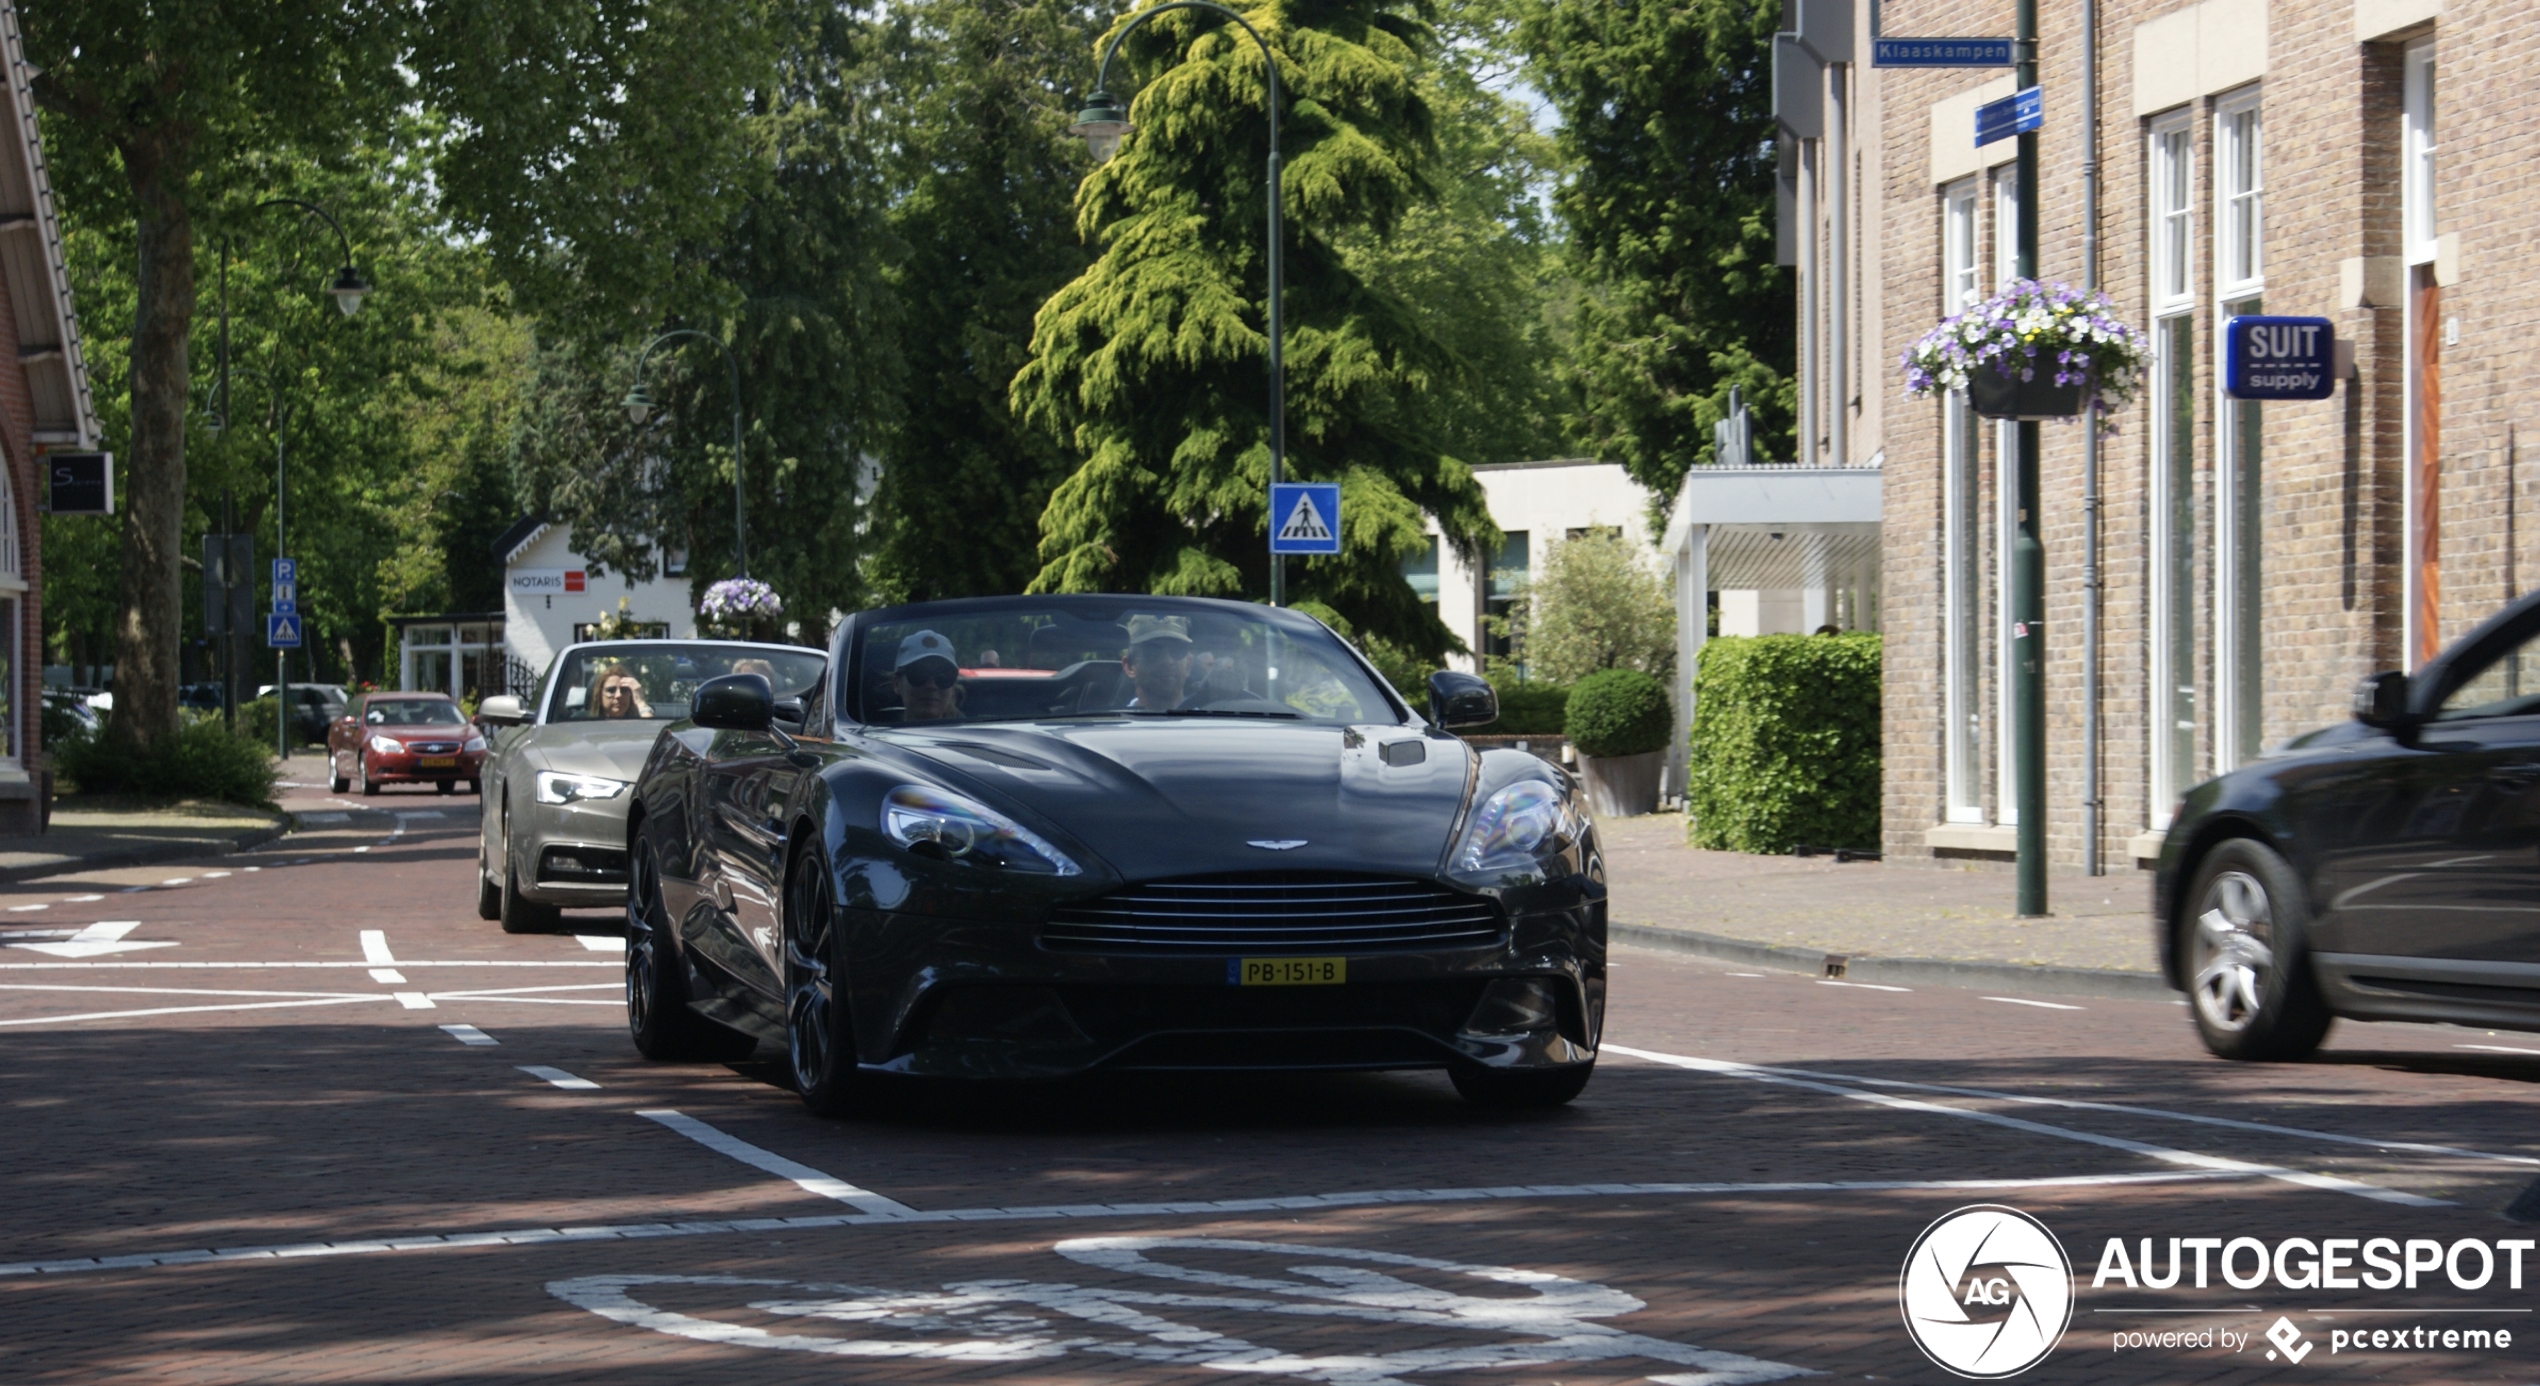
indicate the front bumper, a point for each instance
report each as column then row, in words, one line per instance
column 984, row 1000
column 573, row 855
column 409, row 767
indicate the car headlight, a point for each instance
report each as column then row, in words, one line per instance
column 1518, row 834
column 557, row 787
column 387, row 745
column 474, row 743
column 963, row 831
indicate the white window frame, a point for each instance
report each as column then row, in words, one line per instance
column 1962, row 656
column 2417, row 153
column 2170, row 187
column 2006, row 519
column 2239, row 184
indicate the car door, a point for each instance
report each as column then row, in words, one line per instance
column 739, row 834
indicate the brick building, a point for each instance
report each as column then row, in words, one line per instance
column 2359, row 160
column 44, row 406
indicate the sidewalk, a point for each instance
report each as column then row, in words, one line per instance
column 109, row 835
column 1887, row 923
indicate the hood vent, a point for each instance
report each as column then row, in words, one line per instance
column 1275, row 912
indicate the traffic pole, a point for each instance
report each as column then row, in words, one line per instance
column 2028, row 558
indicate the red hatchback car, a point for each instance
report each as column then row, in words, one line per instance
column 404, row 738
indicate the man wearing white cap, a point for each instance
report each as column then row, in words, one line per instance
column 925, row 675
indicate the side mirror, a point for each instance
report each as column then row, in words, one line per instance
column 789, row 710
column 1458, row 699
column 735, row 702
column 501, row 710
column 2381, row 700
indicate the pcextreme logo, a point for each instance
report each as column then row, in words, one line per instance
column 1986, row 1292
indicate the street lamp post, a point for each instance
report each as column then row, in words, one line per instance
column 1104, row 123
column 639, row 407
column 349, row 288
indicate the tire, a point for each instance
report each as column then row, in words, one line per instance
column 519, row 915
column 489, row 896
column 335, row 783
column 476, row 787
column 664, row 1029
column 2244, row 937
column 819, row 1030
column 370, row 787
column 444, row 786
column 1522, row 1090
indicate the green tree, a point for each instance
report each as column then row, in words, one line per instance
column 1597, row 602
column 986, row 177
column 581, row 143
column 1148, row 366
column 1666, row 112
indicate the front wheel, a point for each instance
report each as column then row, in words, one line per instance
column 1522, row 1088
column 819, row 1038
column 664, row 1029
column 370, row 787
column 2244, row 936
column 521, row 915
column 337, row 782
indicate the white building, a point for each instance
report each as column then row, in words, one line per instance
column 1535, row 505
column 550, row 600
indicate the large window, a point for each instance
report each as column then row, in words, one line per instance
column 2239, row 490
column 2173, row 705
column 1500, row 589
column 2239, row 263
column 2006, row 516
column 1961, row 568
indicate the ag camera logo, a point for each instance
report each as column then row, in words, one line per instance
column 1987, row 1292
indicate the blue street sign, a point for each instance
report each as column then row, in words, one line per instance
column 2016, row 114
column 282, row 630
column 1940, row 52
column 1305, row 517
column 286, row 571
column 286, row 596
column 2279, row 358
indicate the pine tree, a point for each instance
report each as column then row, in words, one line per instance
column 1150, row 365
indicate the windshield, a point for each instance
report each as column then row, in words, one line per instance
column 411, row 712
column 1036, row 658
column 653, row 680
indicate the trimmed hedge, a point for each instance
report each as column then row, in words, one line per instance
column 1530, row 709
column 1619, row 712
column 1785, row 745
column 201, row 761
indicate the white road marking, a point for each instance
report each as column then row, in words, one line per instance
column 375, row 947
column 216, row 875
column 558, row 1077
column 808, row 1179
column 361, row 849
column 1864, row 986
column 251, row 868
column 296, row 963
column 469, row 1035
column 389, row 975
column 187, row 1010
column 1741, row 974
column 601, row 943
column 81, row 899
column 21, row 909
column 991, row 1321
column 188, row 991
column 105, row 936
column 414, row 1001
column 648, row 1231
column 2165, row 1154
column 39, row 933
column 2021, row 1001
column 177, row 880
column 2497, row 1048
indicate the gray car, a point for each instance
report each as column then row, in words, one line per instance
column 552, row 832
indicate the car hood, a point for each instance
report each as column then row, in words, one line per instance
column 615, row 750
column 1160, row 798
column 422, row 731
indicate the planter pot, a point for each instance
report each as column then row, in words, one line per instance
column 1997, row 396
column 1623, row 786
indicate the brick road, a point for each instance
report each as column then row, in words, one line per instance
column 241, row 1157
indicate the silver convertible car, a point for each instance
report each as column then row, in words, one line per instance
column 552, row 832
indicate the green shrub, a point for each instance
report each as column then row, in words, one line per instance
column 200, row 761
column 1619, row 712
column 1785, row 744
column 1531, row 708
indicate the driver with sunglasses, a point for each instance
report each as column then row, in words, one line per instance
column 925, row 677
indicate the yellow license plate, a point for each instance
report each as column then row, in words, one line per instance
column 439, row 762
column 1287, row 972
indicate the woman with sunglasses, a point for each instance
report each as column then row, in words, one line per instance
column 926, row 677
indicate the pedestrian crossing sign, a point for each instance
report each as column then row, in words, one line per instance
column 282, row 631
column 1305, row 517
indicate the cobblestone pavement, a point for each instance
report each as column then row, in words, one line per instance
column 1860, row 908
column 307, row 1119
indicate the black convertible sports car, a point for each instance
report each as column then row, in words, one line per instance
column 2386, row 869
column 1011, row 838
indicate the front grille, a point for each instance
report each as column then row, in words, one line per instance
column 432, row 748
column 1275, row 912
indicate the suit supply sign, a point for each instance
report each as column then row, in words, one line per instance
column 2279, row 358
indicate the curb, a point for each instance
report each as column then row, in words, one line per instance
column 1944, row 972
column 152, row 855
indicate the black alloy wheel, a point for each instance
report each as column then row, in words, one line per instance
column 665, row 1030
column 819, row 1035
column 519, row 915
column 1520, row 1089
column 2244, row 940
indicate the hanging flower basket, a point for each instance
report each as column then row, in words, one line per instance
column 2032, row 351
column 741, row 609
